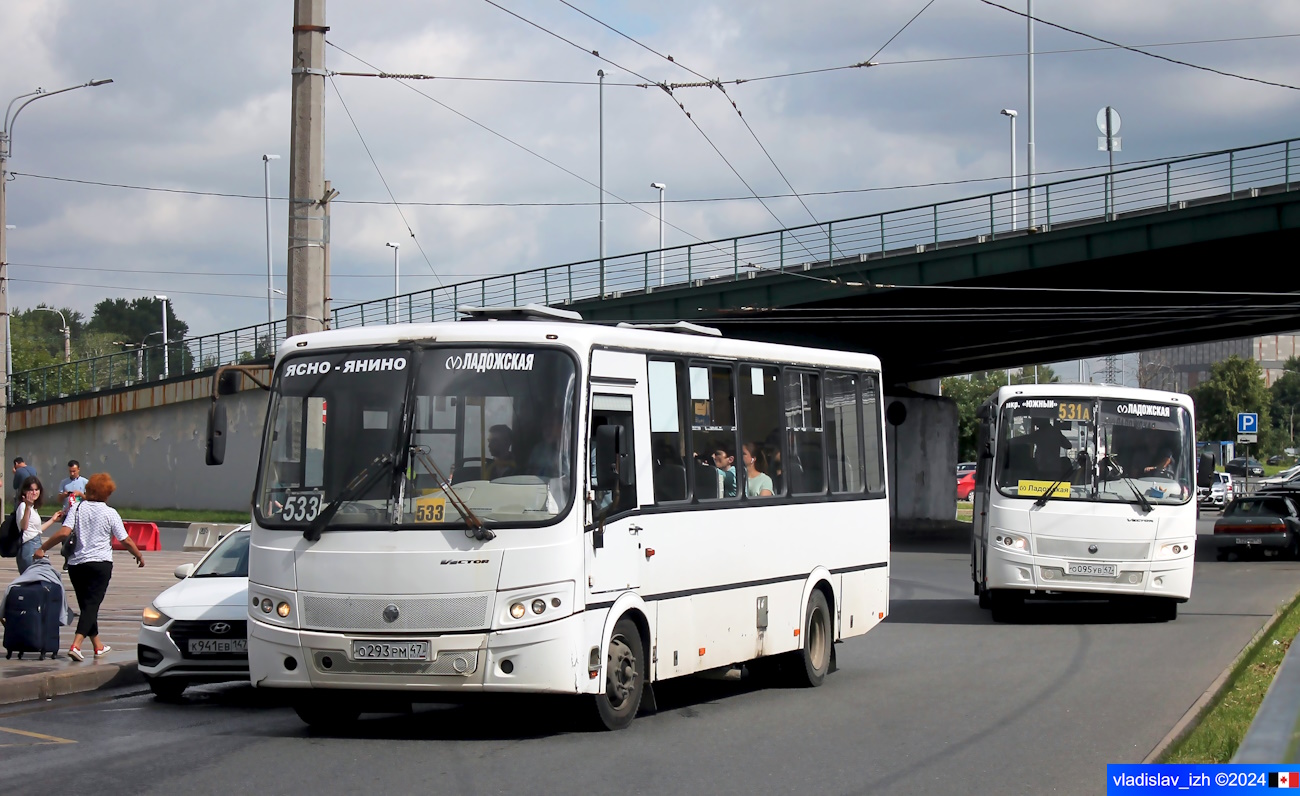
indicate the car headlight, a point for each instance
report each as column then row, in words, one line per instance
column 152, row 617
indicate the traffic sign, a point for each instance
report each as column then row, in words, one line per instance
column 1247, row 423
column 1247, row 439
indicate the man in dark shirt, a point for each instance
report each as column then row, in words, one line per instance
column 21, row 472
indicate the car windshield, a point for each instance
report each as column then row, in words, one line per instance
column 374, row 437
column 1257, row 507
column 229, row 559
column 1091, row 449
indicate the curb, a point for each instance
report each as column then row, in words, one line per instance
column 47, row 685
column 1199, row 708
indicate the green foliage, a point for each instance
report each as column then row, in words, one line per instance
column 969, row 393
column 1286, row 398
column 1235, row 385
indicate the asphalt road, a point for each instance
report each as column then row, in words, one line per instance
column 937, row 699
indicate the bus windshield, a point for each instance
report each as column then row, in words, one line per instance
column 1090, row 449
column 377, row 438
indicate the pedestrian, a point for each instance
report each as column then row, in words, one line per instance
column 72, row 488
column 91, row 566
column 29, row 520
column 22, row 471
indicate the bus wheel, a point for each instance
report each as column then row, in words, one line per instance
column 813, row 661
column 1164, row 609
column 1007, row 604
column 625, row 673
column 985, row 602
column 326, row 714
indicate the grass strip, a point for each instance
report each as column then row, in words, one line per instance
column 183, row 515
column 1219, row 732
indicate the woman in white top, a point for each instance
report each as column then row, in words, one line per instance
column 757, row 482
column 29, row 520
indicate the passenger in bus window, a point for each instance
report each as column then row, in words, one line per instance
column 757, row 482
column 724, row 458
column 544, row 461
column 501, row 448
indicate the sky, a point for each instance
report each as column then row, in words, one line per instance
column 201, row 92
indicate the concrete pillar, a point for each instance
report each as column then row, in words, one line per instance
column 921, row 439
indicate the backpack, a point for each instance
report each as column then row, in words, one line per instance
column 11, row 539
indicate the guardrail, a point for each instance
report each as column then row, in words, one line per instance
column 1173, row 184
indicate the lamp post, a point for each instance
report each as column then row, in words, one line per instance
column 397, row 274
column 67, row 333
column 1010, row 114
column 166, row 369
column 6, row 150
column 661, row 188
column 270, row 289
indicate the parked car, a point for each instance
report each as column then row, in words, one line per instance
column 1265, row 523
column 965, row 467
column 1278, row 458
column 966, row 486
column 197, row 630
column 1217, row 495
column 1282, row 477
column 1239, row 465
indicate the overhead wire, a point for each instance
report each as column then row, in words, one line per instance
column 378, row 171
column 1140, row 51
column 259, row 297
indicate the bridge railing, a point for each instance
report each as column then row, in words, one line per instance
column 1154, row 187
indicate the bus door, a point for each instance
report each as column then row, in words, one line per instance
column 980, row 498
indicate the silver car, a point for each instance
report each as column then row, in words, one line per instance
column 197, row 631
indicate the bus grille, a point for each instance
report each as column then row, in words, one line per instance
column 1106, row 551
column 455, row 663
column 415, row 614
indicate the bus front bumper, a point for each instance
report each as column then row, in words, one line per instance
column 540, row 658
column 1171, row 577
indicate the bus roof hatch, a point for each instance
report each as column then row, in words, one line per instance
column 528, row 312
column 681, row 327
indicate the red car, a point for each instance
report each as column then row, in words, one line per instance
column 966, row 486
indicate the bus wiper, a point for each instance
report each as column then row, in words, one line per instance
column 1142, row 499
column 1042, row 500
column 359, row 483
column 474, row 526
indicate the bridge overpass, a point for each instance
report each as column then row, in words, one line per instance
column 1165, row 253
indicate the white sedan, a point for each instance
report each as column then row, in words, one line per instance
column 197, row 631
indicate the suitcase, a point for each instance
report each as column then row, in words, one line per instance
column 31, row 614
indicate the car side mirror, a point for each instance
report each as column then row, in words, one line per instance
column 216, row 447
column 184, row 571
column 1205, row 470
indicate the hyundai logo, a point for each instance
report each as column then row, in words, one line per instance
column 220, row 628
column 1092, row 548
column 391, row 613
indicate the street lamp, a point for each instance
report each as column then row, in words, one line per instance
column 166, row 369
column 270, row 289
column 1010, row 114
column 67, row 333
column 139, row 355
column 397, row 274
column 6, row 150
column 661, row 188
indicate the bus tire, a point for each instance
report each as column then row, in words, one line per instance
column 1164, row 609
column 625, row 676
column 322, row 713
column 812, row 661
column 1007, row 604
column 985, row 603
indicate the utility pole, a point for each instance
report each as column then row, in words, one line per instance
column 308, row 233
column 1030, row 152
column 600, row 73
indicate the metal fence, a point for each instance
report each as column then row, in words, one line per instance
column 1166, row 185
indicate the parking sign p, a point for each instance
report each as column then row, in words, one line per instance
column 1247, row 423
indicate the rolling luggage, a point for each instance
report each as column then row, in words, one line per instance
column 31, row 617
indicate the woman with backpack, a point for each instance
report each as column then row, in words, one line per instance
column 28, row 519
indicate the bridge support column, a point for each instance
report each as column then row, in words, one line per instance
column 921, row 435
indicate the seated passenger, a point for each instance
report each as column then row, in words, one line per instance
column 500, row 447
column 757, row 483
column 725, row 460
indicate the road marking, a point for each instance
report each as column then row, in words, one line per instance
column 44, row 739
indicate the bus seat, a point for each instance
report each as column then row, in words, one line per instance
column 670, row 482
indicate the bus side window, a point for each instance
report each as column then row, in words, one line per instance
column 760, row 413
column 844, row 442
column 872, row 435
column 615, row 410
column 804, row 467
column 667, row 424
column 713, row 433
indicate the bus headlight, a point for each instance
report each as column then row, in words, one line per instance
column 1011, row 541
column 1174, row 550
column 534, row 606
column 517, row 610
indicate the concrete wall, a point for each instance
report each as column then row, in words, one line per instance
column 922, row 454
column 155, row 454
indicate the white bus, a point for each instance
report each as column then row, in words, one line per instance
column 522, row 502
column 1084, row 491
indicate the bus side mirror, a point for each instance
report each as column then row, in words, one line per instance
column 983, row 412
column 216, row 449
column 228, row 382
column 608, row 444
column 1205, row 470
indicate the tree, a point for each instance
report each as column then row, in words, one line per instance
column 140, row 320
column 1286, row 399
column 1036, row 374
column 968, row 394
column 1235, row 385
